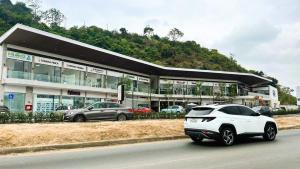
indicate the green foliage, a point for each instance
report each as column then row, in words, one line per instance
column 159, row 115
column 29, row 117
column 285, row 96
column 283, row 112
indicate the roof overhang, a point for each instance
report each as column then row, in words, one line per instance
column 28, row 37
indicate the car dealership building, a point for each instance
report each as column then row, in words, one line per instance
column 44, row 71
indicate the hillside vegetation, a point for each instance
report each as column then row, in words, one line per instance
column 167, row 51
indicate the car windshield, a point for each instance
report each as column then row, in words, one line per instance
column 198, row 111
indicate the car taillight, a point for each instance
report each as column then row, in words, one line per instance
column 207, row 119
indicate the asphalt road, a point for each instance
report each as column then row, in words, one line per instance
column 284, row 153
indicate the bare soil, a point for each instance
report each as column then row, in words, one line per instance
column 17, row 135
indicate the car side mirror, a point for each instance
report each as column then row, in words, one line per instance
column 256, row 114
column 90, row 108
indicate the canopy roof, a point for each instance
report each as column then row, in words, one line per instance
column 32, row 38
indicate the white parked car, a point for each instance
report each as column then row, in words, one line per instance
column 226, row 122
column 173, row 109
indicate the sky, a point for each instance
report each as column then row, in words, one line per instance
column 261, row 34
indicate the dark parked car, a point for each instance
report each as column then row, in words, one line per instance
column 99, row 111
column 4, row 109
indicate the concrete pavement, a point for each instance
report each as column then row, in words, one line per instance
column 284, row 153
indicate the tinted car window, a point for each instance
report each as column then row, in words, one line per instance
column 234, row 110
column 114, row 105
column 246, row 111
column 198, row 111
column 99, row 105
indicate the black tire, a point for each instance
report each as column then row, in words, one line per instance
column 197, row 139
column 79, row 118
column 227, row 136
column 122, row 117
column 270, row 132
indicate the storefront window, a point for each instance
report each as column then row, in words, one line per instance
column 191, row 90
column 166, row 88
column 46, row 103
column 18, row 69
column 179, row 88
column 73, row 102
column 14, row 101
column 90, row 101
column 73, row 77
column 143, row 87
column 112, row 82
column 207, row 90
column 47, row 73
column 95, row 80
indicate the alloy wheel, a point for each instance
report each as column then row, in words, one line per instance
column 271, row 132
column 228, row 137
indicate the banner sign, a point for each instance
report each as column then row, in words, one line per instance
column 96, row 70
column 143, row 79
column 74, row 66
column 19, row 56
column 132, row 77
column 47, row 61
column 114, row 74
column 180, row 82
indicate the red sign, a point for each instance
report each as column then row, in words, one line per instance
column 28, row 107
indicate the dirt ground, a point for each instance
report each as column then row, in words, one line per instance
column 16, row 135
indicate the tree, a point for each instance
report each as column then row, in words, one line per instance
column 35, row 5
column 53, row 17
column 123, row 31
column 175, row 34
column 169, row 91
column 232, row 92
column 199, row 91
column 148, row 31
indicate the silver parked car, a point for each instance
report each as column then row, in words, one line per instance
column 99, row 111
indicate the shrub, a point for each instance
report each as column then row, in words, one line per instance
column 286, row 112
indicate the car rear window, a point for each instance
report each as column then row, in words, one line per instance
column 199, row 111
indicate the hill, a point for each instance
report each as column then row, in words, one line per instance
column 167, row 51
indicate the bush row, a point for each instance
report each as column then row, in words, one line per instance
column 21, row 117
column 160, row 115
column 15, row 117
column 285, row 112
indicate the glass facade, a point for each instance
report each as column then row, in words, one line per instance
column 14, row 101
column 73, row 77
column 95, row 80
column 47, row 73
column 191, row 90
column 112, row 82
column 45, row 103
column 179, row 88
column 73, row 102
column 18, row 69
column 143, row 87
column 166, row 88
column 90, row 101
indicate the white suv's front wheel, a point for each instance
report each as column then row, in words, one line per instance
column 227, row 136
column 270, row 132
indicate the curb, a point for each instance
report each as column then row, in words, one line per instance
column 6, row 151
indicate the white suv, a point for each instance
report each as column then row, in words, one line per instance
column 225, row 122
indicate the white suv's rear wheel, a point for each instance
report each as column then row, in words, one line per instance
column 227, row 136
column 270, row 132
